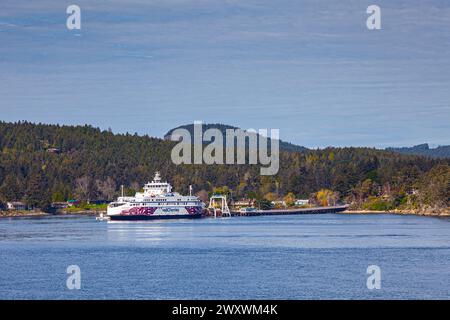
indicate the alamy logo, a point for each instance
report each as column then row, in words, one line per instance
column 374, row 20
column 374, row 279
column 74, row 279
column 74, row 20
column 213, row 153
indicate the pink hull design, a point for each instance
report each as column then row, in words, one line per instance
column 193, row 210
column 148, row 211
column 139, row 211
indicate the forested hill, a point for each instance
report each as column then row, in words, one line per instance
column 286, row 146
column 425, row 150
column 44, row 163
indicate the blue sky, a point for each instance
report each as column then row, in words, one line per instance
column 310, row 68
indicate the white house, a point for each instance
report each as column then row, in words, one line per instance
column 15, row 205
column 301, row 202
column 279, row 203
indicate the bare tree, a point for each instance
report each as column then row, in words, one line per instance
column 203, row 195
column 135, row 186
column 82, row 188
column 106, row 188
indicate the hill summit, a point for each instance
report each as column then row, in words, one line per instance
column 285, row 146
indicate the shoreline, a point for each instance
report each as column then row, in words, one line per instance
column 398, row 212
column 39, row 214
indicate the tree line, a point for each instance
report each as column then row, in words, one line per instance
column 41, row 164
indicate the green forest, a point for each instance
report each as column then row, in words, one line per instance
column 41, row 164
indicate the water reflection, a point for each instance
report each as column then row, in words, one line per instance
column 126, row 231
column 287, row 257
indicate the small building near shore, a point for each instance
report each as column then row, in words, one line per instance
column 72, row 202
column 301, row 202
column 279, row 204
column 59, row 205
column 16, row 205
column 243, row 203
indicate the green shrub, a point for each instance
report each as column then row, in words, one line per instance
column 377, row 204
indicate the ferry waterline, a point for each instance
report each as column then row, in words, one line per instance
column 157, row 201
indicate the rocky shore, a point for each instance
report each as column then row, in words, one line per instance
column 36, row 214
column 437, row 213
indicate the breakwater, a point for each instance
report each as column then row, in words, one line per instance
column 273, row 212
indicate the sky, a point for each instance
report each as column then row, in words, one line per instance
column 309, row 68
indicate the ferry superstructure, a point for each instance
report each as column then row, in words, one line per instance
column 157, row 201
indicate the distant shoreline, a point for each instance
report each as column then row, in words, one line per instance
column 398, row 212
column 38, row 214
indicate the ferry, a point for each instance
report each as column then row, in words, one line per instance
column 157, row 201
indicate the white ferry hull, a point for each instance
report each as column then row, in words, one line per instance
column 153, row 217
column 150, row 213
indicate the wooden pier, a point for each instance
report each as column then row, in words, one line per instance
column 273, row 212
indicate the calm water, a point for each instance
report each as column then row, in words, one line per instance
column 283, row 257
